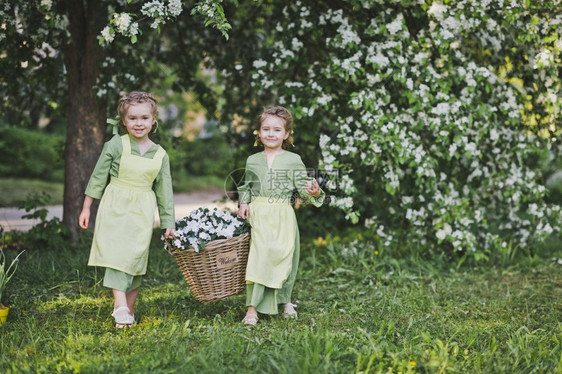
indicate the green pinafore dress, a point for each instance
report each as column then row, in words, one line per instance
column 275, row 245
column 125, row 216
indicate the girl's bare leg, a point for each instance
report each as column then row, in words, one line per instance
column 120, row 299
column 132, row 298
column 251, row 310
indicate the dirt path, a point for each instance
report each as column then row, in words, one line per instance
column 10, row 218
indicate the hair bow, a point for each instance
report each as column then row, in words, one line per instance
column 115, row 123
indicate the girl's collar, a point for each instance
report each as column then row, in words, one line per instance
column 275, row 154
column 141, row 145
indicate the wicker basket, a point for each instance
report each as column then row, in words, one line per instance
column 218, row 271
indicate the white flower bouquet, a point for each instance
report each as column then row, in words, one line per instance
column 204, row 225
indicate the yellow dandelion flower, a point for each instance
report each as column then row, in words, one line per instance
column 412, row 363
column 320, row 241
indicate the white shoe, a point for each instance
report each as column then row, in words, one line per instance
column 289, row 310
column 122, row 317
column 250, row 319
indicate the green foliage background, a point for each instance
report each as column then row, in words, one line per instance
column 31, row 154
column 437, row 116
column 306, row 47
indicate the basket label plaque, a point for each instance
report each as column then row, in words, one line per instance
column 227, row 259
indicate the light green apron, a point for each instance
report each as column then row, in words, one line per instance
column 274, row 229
column 125, row 216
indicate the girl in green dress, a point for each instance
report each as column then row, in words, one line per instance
column 265, row 200
column 140, row 180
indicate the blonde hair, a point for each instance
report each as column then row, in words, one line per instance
column 136, row 97
column 280, row 112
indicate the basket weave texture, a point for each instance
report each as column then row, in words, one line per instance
column 216, row 272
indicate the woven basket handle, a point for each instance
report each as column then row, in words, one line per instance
column 170, row 247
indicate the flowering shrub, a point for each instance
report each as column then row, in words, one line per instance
column 422, row 114
column 213, row 13
column 160, row 12
column 123, row 23
column 203, row 225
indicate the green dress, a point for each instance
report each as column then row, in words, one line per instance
column 274, row 247
column 125, row 216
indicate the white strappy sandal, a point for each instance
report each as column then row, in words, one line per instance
column 289, row 310
column 250, row 319
column 123, row 317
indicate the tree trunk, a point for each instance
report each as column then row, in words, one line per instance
column 86, row 114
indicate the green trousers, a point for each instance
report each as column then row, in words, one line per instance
column 120, row 281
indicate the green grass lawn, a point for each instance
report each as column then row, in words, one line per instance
column 362, row 313
column 16, row 190
column 186, row 184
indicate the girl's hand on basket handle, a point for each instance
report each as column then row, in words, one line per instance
column 170, row 234
column 244, row 211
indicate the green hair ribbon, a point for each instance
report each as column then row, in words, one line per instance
column 115, row 123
